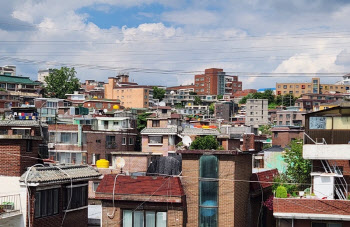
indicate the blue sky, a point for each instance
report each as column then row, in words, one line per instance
column 167, row 42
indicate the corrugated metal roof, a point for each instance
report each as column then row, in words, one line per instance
column 32, row 123
column 164, row 131
column 52, row 174
column 17, row 80
column 200, row 131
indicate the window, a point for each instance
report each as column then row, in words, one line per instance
column 95, row 185
column 155, row 123
column 291, row 86
column 3, row 131
column 144, row 218
column 28, row 146
column 23, row 132
column 98, row 141
column 326, row 224
column 280, row 122
column 110, row 142
column 11, row 86
column 46, row 203
column 124, row 141
column 296, row 86
column 79, row 197
column 164, row 111
column 131, row 141
column 284, row 86
column 208, row 190
column 155, row 139
column 69, row 138
column 287, row 122
column 275, row 134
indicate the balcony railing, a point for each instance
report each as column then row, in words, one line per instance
column 111, row 145
column 10, row 205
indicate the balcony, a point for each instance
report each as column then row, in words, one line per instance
column 326, row 151
column 10, row 205
column 111, row 145
column 314, row 209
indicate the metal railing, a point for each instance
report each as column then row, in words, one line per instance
column 10, row 204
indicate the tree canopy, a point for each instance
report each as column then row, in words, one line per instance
column 142, row 121
column 298, row 169
column 197, row 100
column 205, row 143
column 61, row 82
column 285, row 100
column 158, row 93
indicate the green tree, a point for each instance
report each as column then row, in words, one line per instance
column 287, row 99
column 142, row 121
column 212, row 109
column 61, row 82
column 158, row 93
column 205, row 143
column 298, row 169
column 265, row 129
column 220, row 97
column 197, row 100
column 244, row 99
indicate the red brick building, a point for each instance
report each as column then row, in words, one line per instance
column 282, row 136
column 22, row 143
column 216, row 185
column 215, row 82
column 162, row 201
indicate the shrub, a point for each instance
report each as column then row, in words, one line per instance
column 281, row 192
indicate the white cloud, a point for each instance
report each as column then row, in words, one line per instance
column 191, row 17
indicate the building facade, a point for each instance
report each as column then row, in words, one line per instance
column 256, row 112
column 315, row 87
column 215, row 82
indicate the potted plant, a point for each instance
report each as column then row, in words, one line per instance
column 2, row 210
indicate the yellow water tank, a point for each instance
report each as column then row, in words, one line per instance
column 102, row 163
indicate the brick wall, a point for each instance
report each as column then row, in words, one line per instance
column 243, row 171
column 155, row 148
column 96, row 144
column 233, row 196
column 284, row 138
column 248, row 142
column 15, row 160
column 190, row 169
column 77, row 218
column 61, row 127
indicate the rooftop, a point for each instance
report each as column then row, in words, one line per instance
column 17, row 80
column 52, row 174
column 18, row 123
column 141, row 185
column 163, row 131
column 200, row 131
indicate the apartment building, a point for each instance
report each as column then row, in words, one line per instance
column 8, row 70
column 43, row 73
column 215, row 82
column 291, row 116
column 161, row 133
column 326, row 146
column 256, row 112
column 130, row 94
column 315, row 87
column 91, row 139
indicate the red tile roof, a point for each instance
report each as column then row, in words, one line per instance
column 265, row 178
column 141, row 185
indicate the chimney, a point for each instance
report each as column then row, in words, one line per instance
column 248, row 142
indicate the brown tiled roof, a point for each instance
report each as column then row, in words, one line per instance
column 264, row 177
column 141, row 185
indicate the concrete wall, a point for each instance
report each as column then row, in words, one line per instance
column 11, row 186
column 326, row 152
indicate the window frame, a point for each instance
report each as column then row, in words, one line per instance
column 40, row 205
column 144, row 217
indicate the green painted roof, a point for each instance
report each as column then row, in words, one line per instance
column 16, row 80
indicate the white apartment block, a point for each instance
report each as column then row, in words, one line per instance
column 256, row 112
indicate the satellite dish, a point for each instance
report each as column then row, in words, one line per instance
column 187, row 141
column 172, row 92
column 120, row 162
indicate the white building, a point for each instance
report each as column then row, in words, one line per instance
column 256, row 112
column 43, row 73
column 8, row 70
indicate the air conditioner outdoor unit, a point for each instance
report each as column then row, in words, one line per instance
column 50, row 145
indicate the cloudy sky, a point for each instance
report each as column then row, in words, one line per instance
column 166, row 42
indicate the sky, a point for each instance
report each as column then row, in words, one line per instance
column 167, row 42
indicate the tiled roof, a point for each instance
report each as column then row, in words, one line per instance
column 17, row 80
column 164, row 131
column 21, row 123
column 52, row 174
column 264, row 177
column 141, row 185
column 162, row 107
column 274, row 148
column 200, row 131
